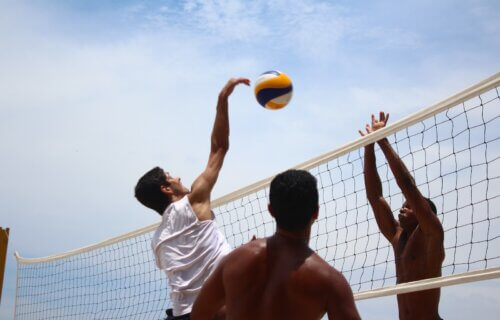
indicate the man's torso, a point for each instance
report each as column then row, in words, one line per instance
column 417, row 258
column 267, row 281
column 187, row 250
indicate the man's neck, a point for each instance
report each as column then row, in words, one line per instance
column 177, row 197
column 296, row 237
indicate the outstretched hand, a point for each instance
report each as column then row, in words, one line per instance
column 229, row 87
column 376, row 124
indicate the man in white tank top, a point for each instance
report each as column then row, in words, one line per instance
column 187, row 245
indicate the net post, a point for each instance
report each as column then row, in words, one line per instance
column 16, row 255
column 4, row 240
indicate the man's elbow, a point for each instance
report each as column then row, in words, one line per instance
column 220, row 147
column 224, row 147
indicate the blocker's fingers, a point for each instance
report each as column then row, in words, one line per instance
column 381, row 116
column 373, row 118
column 386, row 118
column 361, row 133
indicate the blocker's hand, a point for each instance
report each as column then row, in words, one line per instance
column 229, row 87
column 376, row 124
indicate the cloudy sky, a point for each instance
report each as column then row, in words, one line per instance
column 94, row 93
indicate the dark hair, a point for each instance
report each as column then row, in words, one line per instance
column 148, row 190
column 432, row 205
column 294, row 199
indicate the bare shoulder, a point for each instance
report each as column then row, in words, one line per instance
column 329, row 287
column 246, row 254
column 321, row 267
column 326, row 274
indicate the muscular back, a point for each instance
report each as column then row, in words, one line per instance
column 280, row 279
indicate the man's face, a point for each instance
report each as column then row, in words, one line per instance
column 407, row 218
column 175, row 184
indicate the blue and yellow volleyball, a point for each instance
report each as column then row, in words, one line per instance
column 273, row 90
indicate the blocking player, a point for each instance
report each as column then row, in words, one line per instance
column 416, row 237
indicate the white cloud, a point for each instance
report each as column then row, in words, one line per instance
column 305, row 28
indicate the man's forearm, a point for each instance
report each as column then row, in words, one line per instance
column 220, row 131
column 381, row 210
column 398, row 168
column 372, row 179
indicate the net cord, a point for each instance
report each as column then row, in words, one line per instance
column 475, row 90
column 432, row 283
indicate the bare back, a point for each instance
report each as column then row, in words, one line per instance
column 278, row 279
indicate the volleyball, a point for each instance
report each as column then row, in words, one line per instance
column 273, row 90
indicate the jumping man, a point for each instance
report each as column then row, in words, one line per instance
column 187, row 245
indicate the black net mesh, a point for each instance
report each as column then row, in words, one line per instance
column 453, row 155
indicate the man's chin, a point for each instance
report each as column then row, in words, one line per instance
column 403, row 221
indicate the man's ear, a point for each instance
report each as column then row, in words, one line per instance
column 315, row 214
column 166, row 190
column 270, row 209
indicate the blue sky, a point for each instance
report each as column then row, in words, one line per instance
column 95, row 93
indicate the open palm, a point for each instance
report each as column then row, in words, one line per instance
column 376, row 124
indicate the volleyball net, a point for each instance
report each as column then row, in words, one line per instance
column 451, row 148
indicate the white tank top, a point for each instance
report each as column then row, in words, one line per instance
column 187, row 250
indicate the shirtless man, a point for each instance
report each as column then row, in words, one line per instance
column 279, row 277
column 417, row 238
column 187, row 245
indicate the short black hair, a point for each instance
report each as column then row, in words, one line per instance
column 294, row 199
column 148, row 190
column 432, row 205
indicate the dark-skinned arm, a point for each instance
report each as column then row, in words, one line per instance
column 211, row 299
column 381, row 209
column 219, row 145
column 340, row 304
column 427, row 220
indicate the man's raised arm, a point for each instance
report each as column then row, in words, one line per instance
column 381, row 209
column 202, row 186
column 428, row 221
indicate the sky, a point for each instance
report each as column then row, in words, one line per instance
column 95, row 93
